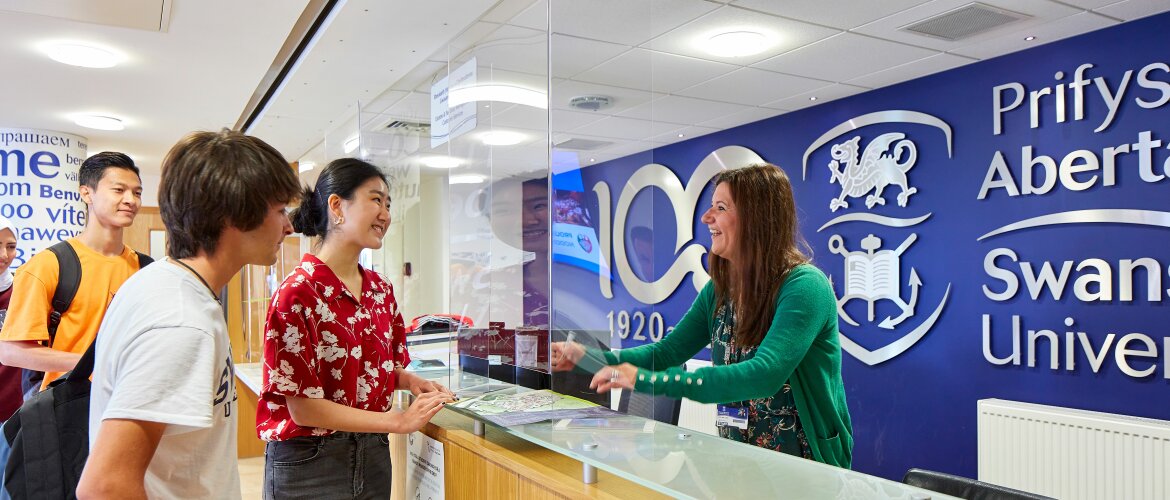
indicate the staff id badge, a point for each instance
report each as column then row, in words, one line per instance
column 731, row 416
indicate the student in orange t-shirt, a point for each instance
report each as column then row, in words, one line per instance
column 112, row 191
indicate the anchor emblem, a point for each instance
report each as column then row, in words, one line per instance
column 873, row 275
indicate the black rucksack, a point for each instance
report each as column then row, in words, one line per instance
column 46, row 442
column 69, row 279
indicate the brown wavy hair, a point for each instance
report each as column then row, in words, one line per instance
column 769, row 246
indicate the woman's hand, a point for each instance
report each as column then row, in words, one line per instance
column 614, row 377
column 565, row 355
column 424, row 386
column 421, row 411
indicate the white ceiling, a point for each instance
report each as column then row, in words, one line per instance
column 191, row 65
column 208, row 57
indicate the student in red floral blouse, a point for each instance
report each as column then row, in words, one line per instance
column 335, row 351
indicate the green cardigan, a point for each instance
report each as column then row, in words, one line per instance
column 801, row 347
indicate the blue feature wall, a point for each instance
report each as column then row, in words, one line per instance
column 1028, row 261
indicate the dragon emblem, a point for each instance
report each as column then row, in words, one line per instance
column 876, row 168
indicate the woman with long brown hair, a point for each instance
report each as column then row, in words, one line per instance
column 771, row 320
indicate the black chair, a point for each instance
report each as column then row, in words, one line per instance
column 661, row 408
column 964, row 487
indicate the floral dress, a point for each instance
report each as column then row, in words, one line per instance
column 773, row 422
column 322, row 342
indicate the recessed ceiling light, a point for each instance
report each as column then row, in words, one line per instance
column 445, row 162
column 467, row 179
column 502, row 138
column 813, row 98
column 736, row 44
column 305, row 166
column 1029, row 38
column 86, row 56
column 591, row 160
column 99, row 122
column 681, row 135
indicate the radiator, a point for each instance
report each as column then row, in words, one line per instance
column 1073, row 454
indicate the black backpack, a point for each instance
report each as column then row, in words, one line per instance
column 67, row 283
column 45, row 444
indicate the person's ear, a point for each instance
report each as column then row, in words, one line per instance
column 335, row 208
column 86, row 194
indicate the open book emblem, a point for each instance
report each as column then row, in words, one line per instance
column 873, row 275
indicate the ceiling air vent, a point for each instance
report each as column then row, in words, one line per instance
column 412, row 127
column 966, row 21
column 582, row 144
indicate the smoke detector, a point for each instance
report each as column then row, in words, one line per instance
column 591, row 102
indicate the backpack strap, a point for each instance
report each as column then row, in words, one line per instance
column 67, row 283
column 144, row 260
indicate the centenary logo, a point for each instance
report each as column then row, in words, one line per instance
column 873, row 274
column 683, row 200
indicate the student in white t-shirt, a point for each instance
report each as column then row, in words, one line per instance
column 163, row 406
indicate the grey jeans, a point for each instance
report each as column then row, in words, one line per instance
column 340, row 465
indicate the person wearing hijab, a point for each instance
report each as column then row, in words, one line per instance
column 10, row 397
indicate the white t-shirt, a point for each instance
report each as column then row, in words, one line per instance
column 163, row 355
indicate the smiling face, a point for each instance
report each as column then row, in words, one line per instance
column 721, row 219
column 114, row 202
column 366, row 216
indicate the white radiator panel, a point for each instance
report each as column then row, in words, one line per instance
column 1073, row 454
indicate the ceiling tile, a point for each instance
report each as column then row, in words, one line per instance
column 686, row 133
column 746, row 116
column 785, row 33
column 844, row 56
column 823, row 95
column 1041, row 11
column 1134, row 9
column 626, row 128
column 910, row 71
column 842, row 14
column 615, row 21
column 507, row 9
column 1093, row 4
column 1045, row 33
column 656, row 71
column 623, row 98
column 513, row 49
column 679, row 109
column 752, row 87
column 562, row 120
column 573, row 55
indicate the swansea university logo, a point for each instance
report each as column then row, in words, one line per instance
column 877, row 270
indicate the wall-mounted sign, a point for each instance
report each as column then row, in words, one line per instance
column 38, row 187
column 999, row 230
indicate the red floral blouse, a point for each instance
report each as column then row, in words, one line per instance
column 322, row 342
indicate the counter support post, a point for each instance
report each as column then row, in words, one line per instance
column 588, row 474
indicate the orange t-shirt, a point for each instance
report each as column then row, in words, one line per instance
column 32, row 295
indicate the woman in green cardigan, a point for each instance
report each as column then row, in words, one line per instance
column 771, row 320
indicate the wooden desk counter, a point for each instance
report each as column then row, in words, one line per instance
column 500, row 465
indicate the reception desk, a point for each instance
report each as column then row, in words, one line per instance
column 637, row 459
